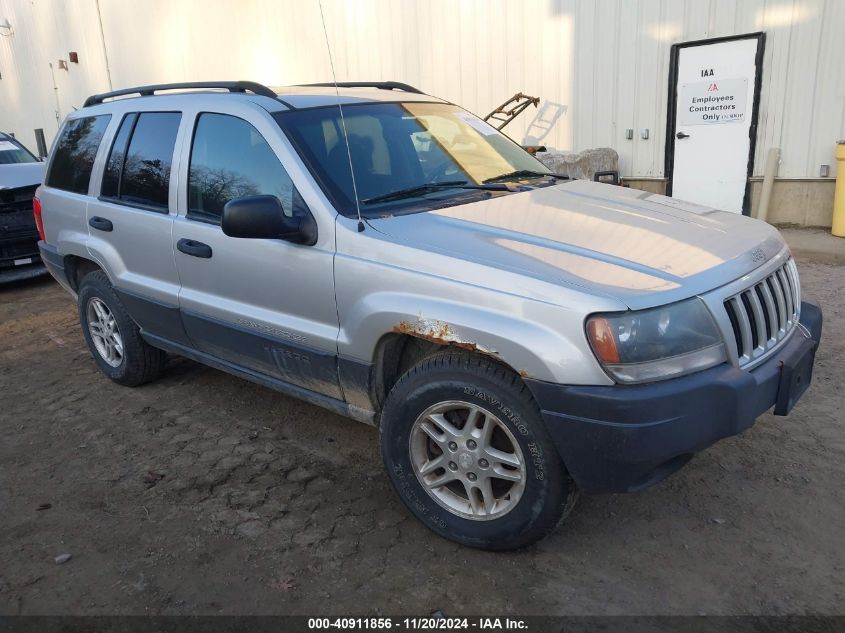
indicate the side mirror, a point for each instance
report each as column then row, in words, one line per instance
column 262, row 217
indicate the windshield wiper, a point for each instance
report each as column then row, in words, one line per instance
column 525, row 173
column 411, row 192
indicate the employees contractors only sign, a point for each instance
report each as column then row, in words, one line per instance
column 712, row 101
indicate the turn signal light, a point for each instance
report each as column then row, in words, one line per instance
column 39, row 223
column 601, row 338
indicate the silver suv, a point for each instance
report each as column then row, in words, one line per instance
column 516, row 336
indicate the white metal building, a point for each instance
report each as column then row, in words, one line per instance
column 600, row 68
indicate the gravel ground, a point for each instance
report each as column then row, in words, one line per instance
column 205, row 494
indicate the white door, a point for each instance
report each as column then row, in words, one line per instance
column 714, row 107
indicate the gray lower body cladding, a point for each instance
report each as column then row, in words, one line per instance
column 325, row 379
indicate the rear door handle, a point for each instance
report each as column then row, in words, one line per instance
column 681, row 135
column 101, row 224
column 194, row 248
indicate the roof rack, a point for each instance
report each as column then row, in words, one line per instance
column 147, row 91
column 381, row 85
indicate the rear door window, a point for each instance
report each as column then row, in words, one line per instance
column 138, row 169
column 76, row 149
column 114, row 165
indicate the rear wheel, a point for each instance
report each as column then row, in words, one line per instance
column 113, row 337
column 466, row 450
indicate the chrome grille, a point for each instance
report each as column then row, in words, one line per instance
column 761, row 316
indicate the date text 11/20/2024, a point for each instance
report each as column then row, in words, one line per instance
column 432, row 623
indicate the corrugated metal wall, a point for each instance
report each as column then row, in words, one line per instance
column 599, row 66
column 41, row 33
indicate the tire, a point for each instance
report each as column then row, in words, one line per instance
column 448, row 388
column 132, row 360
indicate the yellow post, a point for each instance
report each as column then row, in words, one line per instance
column 838, row 228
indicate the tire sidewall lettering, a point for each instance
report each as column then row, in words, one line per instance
column 535, row 454
column 485, row 397
column 406, row 482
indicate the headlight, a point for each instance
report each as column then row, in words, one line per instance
column 658, row 343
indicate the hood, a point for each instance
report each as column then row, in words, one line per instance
column 641, row 248
column 21, row 175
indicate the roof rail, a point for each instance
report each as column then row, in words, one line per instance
column 146, row 91
column 382, row 85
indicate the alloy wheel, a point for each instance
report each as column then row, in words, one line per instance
column 467, row 460
column 104, row 332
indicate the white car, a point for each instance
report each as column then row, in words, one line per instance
column 20, row 174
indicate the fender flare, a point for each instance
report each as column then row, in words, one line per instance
column 516, row 339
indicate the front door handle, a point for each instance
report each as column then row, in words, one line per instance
column 101, row 224
column 681, row 135
column 194, row 248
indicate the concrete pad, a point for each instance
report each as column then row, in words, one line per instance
column 817, row 245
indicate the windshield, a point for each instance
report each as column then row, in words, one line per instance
column 11, row 152
column 403, row 146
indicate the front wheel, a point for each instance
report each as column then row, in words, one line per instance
column 466, row 450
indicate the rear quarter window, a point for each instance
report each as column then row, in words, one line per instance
column 73, row 157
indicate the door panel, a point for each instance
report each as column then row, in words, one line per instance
column 267, row 305
column 264, row 304
column 138, row 254
column 714, row 122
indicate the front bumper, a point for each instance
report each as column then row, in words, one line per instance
column 19, row 257
column 624, row 438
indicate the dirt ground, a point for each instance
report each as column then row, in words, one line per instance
column 205, row 494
